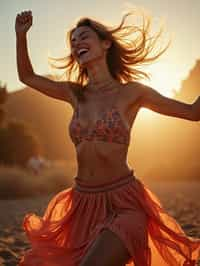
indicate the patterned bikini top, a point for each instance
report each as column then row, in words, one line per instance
column 109, row 128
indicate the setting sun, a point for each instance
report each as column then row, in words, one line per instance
column 163, row 77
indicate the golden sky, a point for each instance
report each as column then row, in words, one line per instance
column 51, row 20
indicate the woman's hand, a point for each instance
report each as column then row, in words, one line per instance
column 196, row 109
column 23, row 22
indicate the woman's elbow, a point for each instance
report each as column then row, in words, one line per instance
column 25, row 77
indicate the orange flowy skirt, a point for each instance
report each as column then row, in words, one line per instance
column 75, row 216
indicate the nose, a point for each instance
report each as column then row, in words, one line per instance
column 75, row 46
column 75, row 41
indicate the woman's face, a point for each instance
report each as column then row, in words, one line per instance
column 94, row 48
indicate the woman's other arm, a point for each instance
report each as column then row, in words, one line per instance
column 159, row 103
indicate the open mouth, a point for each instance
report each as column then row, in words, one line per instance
column 82, row 52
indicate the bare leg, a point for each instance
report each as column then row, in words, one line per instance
column 107, row 250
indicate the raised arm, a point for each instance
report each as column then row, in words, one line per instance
column 63, row 90
column 153, row 100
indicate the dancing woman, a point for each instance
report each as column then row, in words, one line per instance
column 108, row 217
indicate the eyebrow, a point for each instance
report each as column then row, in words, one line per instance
column 80, row 34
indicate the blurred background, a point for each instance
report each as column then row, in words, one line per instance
column 37, row 156
column 162, row 147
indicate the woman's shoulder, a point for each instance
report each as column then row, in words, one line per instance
column 132, row 89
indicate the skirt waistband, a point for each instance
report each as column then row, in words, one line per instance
column 81, row 185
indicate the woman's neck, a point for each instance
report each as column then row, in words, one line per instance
column 98, row 87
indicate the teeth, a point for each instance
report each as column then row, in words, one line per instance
column 81, row 50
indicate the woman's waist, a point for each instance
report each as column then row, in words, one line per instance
column 101, row 176
column 96, row 160
column 101, row 151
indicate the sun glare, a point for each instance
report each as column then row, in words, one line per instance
column 165, row 78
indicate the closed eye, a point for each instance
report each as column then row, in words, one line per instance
column 84, row 38
column 81, row 38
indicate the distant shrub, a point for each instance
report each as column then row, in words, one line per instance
column 18, row 143
column 3, row 99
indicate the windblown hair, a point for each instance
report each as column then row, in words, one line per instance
column 124, row 55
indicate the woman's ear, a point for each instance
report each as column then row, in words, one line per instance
column 107, row 44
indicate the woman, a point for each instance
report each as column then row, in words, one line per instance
column 109, row 217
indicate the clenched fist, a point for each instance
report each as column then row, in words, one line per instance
column 23, row 22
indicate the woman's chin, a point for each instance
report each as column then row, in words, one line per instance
column 85, row 62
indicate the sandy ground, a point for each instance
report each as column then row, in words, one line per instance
column 180, row 199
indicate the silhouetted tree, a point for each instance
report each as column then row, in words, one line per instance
column 3, row 98
column 18, row 143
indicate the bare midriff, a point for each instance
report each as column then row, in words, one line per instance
column 99, row 160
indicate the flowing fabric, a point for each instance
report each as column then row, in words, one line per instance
column 75, row 216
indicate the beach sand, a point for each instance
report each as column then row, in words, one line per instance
column 180, row 199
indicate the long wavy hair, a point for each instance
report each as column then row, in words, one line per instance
column 124, row 55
